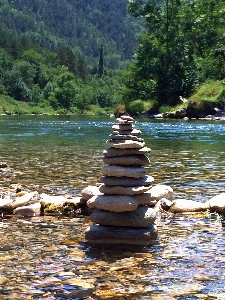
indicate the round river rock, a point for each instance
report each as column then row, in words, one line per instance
column 127, row 160
column 123, row 190
column 142, row 217
column 121, row 235
column 119, row 171
column 110, row 152
column 116, row 203
column 127, row 181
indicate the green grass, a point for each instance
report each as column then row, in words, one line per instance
column 209, row 91
column 7, row 104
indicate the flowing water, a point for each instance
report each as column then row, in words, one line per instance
column 47, row 257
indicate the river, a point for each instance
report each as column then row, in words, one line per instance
column 47, row 257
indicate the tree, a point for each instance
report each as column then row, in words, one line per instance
column 67, row 90
column 180, row 34
column 101, row 62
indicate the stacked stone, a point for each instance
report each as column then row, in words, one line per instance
column 123, row 212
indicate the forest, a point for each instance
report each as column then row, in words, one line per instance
column 99, row 56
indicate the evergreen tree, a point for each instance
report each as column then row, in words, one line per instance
column 101, row 62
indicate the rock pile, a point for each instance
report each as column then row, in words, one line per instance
column 123, row 212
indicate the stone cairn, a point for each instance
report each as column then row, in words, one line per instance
column 123, row 211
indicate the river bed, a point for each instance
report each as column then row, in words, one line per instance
column 47, row 257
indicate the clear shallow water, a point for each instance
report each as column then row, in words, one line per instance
column 46, row 257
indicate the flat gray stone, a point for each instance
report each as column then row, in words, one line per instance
column 97, row 234
column 121, row 121
column 119, row 171
column 127, row 160
column 160, row 191
column 127, row 181
column 29, row 210
column 111, row 152
column 142, row 217
column 184, row 205
column 132, row 132
column 116, row 203
column 125, row 118
column 123, row 190
column 126, row 144
column 123, row 127
column 146, row 199
column 119, row 137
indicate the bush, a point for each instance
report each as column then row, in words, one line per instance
column 221, row 99
column 136, row 107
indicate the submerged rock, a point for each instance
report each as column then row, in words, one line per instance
column 97, row 234
column 29, row 210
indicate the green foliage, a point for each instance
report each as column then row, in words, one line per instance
column 136, row 107
column 210, row 91
column 213, row 91
column 183, row 46
column 84, row 25
column 221, row 99
column 104, row 100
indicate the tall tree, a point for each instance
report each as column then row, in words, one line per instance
column 101, row 62
column 167, row 58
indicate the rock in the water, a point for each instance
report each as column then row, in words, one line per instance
column 110, row 152
column 184, row 205
column 90, row 191
column 122, row 190
column 121, row 235
column 5, row 201
column 19, row 201
column 160, row 191
column 217, row 203
column 116, row 203
column 29, row 210
column 120, row 171
column 165, row 204
column 127, row 181
column 76, row 202
column 126, row 144
column 55, row 200
column 142, row 217
column 127, row 160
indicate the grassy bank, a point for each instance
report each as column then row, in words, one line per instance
column 211, row 91
column 11, row 106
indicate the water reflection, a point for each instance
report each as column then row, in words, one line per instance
column 47, row 258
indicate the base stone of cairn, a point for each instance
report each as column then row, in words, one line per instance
column 123, row 212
